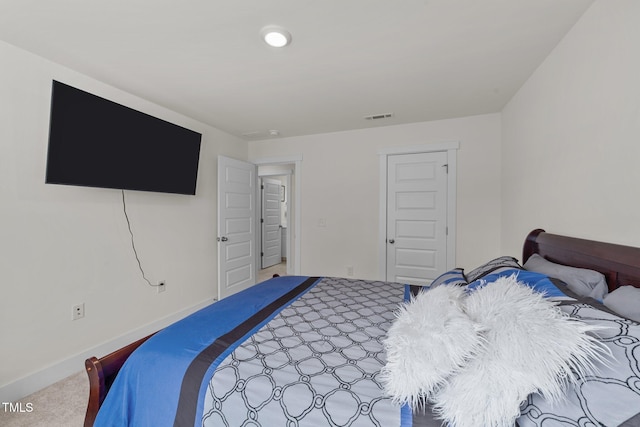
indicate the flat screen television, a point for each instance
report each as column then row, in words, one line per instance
column 94, row 142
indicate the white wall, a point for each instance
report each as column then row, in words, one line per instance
column 62, row 245
column 571, row 135
column 340, row 184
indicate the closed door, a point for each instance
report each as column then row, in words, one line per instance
column 271, row 234
column 237, row 213
column 416, row 217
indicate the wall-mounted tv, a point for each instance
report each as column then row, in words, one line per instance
column 94, row 142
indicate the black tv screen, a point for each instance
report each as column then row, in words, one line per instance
column 95, row 142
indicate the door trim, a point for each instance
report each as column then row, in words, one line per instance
column 296, row 160
column 451, row 148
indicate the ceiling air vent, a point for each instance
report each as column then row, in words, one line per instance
column 254, row 135
column 271, row 133
column 379, row 116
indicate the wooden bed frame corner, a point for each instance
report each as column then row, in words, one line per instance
column 102, row 372
column 619, row 264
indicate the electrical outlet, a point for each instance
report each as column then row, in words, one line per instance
column 349, row 270
column 162, row 286
column 78, row 312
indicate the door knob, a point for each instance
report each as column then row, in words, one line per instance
column 222, row 239
column 392, row 241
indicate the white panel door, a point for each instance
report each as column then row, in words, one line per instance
column 271, row 234
column 416, row 217
column 236, row 225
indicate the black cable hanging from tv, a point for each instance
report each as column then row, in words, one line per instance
column 133, row 245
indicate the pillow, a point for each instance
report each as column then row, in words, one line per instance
column 584, row 282
column 625, row 301
column 503, row 262
column 452, row 277
column 531, row 346
column 429, row 340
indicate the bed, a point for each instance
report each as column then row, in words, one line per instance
column 297, row 351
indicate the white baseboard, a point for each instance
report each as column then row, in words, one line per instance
column 29, row 384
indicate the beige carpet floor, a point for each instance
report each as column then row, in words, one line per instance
column 62, row 404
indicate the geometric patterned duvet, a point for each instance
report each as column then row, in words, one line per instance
column 611, row 397
column 315, row 364
column 308, row 354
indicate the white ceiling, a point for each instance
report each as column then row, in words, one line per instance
column 418, row 59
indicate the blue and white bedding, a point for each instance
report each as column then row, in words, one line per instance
column 609, row 397
column 307, row 351
column 316, row 363
column 310, row 356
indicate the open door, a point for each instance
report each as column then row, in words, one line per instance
column 237, row 213
column 270, row 223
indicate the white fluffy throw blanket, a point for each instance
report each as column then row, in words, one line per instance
column 475, row 358
column 421, row 353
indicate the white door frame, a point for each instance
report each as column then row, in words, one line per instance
column 296, row 161
column 451, row 148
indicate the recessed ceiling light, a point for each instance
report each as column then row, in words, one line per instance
column 276, row 36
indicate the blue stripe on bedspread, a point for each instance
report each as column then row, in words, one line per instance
column 536, row 281
column 141, row 397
